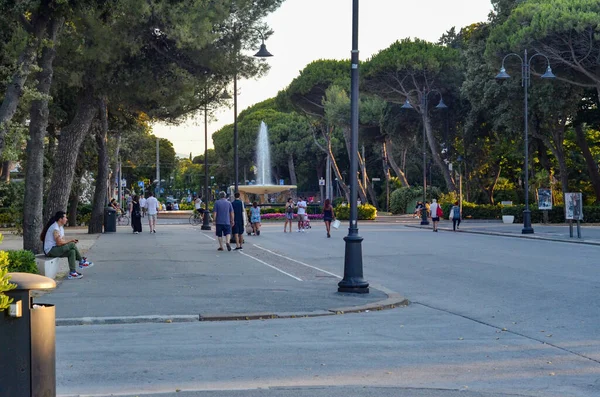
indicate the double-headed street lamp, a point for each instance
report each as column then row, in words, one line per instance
column 353, row 268
column 262, row 53
column 525, row 81
column 424, row 103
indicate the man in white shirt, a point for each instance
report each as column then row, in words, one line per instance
column 55, row 245
column 198, row 205
column 301, row 214
column 143, row 205
column 153, row 206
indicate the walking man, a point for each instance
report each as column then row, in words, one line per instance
column 153, row 206
column 301, row 214
column 224, row 220
column 238, row 218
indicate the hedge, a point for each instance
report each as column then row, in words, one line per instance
column 22, row 261
column 365, row 212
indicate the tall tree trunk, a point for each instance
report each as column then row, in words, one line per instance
column 362, row 193
column 326, row 134
column 34, row 166
column 292, row 168
column 95, row 225
column 389, row 154
column 113, row 175
column 26, row 60
column 5, row 171
column 71, row 138
column 73, row 203
column 435, row 153
column 589, row 159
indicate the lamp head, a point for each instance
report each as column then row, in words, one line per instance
column 548, row 74
column 263, row 53
column 502, row 75
column 407, row 105
column 441, row 105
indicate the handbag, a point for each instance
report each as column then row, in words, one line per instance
column 439, row 212
column 335, row 224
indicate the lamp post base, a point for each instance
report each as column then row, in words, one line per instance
column 424, row 222
column 205, row 221
column 527, row 229
column 353, row 279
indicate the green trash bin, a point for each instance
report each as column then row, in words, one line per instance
column 110, row 220
column 28, row 340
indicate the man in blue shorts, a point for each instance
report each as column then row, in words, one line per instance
column 223, row 216
column 238, row 218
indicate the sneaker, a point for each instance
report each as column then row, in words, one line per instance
column 258, row 232
column 74, row 275
column 228, row 247
column 155, row 231
column 85, row 264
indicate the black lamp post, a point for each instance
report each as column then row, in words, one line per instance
column 262, row 53
column 206, row 217
column 525, row 81
column 353, row 268
column 424, row 104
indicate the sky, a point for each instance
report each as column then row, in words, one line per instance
column 308, row 30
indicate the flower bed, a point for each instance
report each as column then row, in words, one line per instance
column 274, row 216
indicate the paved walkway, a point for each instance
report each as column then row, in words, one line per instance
column 177, row 275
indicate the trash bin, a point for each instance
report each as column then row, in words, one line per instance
column 28, row 340
column 110, row 220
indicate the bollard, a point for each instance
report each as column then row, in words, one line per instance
column 28, row 340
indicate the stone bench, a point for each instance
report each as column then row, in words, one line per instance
column 46, row 265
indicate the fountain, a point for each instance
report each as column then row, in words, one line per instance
column 264, row 181
column 263, row 156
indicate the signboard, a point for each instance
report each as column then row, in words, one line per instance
column 375, row 179
column 281, row 182
column 321, row 182
column 141, row 184
column 573, row 206
column 544, row 199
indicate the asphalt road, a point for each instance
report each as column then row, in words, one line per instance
column 490, row 316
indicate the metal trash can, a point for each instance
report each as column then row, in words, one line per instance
column 110, row 220
column 28, row 340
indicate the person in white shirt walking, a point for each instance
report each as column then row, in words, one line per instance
column 301, row 214
column 435, row 210
column 143, row 205
column 152, row 205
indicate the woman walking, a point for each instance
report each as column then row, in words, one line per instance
column 136, row 214
column 328, row 216
column 455, row 215
column 255, row 218
column 289, row 214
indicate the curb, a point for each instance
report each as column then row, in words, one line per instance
column 392, row 301
column 528, row 236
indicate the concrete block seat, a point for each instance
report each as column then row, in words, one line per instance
column 47, row 266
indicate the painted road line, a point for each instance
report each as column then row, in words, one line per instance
column 271, row 266
column 294, row 260
column 207, row 236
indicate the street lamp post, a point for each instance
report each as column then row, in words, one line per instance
column 206, row 216
column 525, row 81
column 262, row 53
column 424, row 104
column 353, row 267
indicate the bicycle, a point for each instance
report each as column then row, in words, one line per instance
column 196, row 218
column 123, row 219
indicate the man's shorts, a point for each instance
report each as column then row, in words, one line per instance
column 152, row 217
column 302, row 217
column 223, row 230
column 238, row 228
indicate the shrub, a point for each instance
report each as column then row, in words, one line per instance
column 401, row 198
column 365, row 212
column 187, row 206
column 5, row 284
column 22, row 261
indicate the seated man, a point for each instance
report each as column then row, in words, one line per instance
column 113, row 203
column 56, row 246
